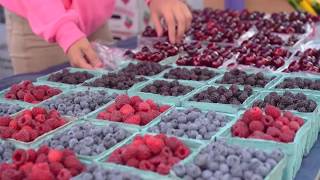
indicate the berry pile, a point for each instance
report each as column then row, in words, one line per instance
column 26, row 91
column 132, row 110
column 191, row 123
column 96, row 172
column 43, row 164
column 167, row 88
column 220, row 160
column 151, row 153
column 149, row 32
column 262, row 56
column 213, row 56
column 121, row 81
column 68, row 77
column 88, row 139
column 6, row 150
column 78, row 104
column 268, row 124
column 30, row 124
column 236, row 76
column 306, row 61
column 145, row 68
column 232, row 95
column 268, row 38
column 288, row 101
column 194, row 74
column 9, row 109
column 298, row 82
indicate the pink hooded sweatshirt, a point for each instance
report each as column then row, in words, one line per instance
column 62, row 21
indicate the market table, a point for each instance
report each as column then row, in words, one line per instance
column 310, row 165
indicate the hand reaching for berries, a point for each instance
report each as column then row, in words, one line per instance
column 82, row 55
column 175, row 13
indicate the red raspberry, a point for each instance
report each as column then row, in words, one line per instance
column 26, row 168
column 111, row 108
column 146, row 165
column 55, row 155
column 246, row 118
column 164, row 108
column 257, row 135
column 173, row 160
column 163, row 169
column 5, row 120
column 143, row 106
column 273, row 131
column 40, row 118
column 39, row 94
column 294, row 125
column 19, row 156
column 43, row 149
column 161, row 136
column 38, row 110
column 299, row 120
column 240, row 129
column 268, row 120
column 20, row 94
column 256, row 126
column 122, row 100
column 166, row 152
column 135, row 119
column 55, row 167
column 128, row 152
column 287, row 136
column 155, row 144
column 182, row 151
column 64, row 174
column 135, row 100
column 10, row 96
column 41, row 171
column 22, row 121
column 173, row 143
column 11, row 174
column 43, row 128
column 152, row 104
column 156, row 160
column 27, row 84
column 74, row 172
column 288, row 115
column 104, row 115
column 73, row 162
column 256, row 114
column 53, row 91
column 133, row 162
column 138, row 140
column 278, row 124
column 115, row 158
column 54, row 113
column 6, row 132
column 13, row 124
column 283, row 119
column 28, row 97
column 22, row 135
column 143, row 152
column 41, row 158
column 127, row 110
column 146, row 117
column 272, row 111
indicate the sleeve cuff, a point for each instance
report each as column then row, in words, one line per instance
column 67, row 34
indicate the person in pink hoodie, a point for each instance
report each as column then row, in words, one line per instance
column 42, row 32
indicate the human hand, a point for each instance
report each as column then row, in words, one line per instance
column 82, row 55
column 175, row 13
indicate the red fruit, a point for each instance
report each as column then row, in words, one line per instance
column 256, row 126
column 256, row 114
column 135, row 100
column 40, row 118
column 164, row 108
column 41, row 171
column 39, row 94
column 135, row 119
column 32, row 155
column 11, row 174
column 152, row 104
column 74, row 172
column 288, row 115
column 166, row 152
column 38, row 110
column 143, row 106
column 156, row 160
column 72, row 162
column 146, row 117
column 246, row 118
column 52, row 92
column 294, row 125
column 173, row 160
column 19, row 156
column 115, row 158
column 68, row 152
column 278, row 124
column 104, row 115
column 173, row 143
column 273, row 131
column 133, row 162
column 28, row 97
column 287, row 136
column 116, row 116
column 55, row 167
column 127, row 110
column 22, row 135
column 299, row 120
column 240, row 129
column 128, row 152
column 64, row 174
column 122, row 100
column 138, row 140
column 10, row 96
column 44, row 149
column 111, row 108
column 54, row 113
column 272, row 111
column 146, row 165
column 23, row 121
column 182, row 151
column 283, row 119
column 55, row 155
column 143, row 152
column 6, row 132
column 41, row 158
column 26, row 168
column 161, row 136
column 268, row 120
column 163, row 169
column 155, row 144
column 13, row 124
column 5, row 120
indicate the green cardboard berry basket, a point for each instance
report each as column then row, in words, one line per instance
column 218, row 71
column 313, row 116
column 26, row 104
column 226, row 108
column 92, row 158
column 231, row 118
column 93, row 116
column 83, row 89
column 160, row 98
column 277, row 173
column 266, row 73
column 193, row 145
column 44, row 79
column 294, row 150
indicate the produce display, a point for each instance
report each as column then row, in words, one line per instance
column 236, row 99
